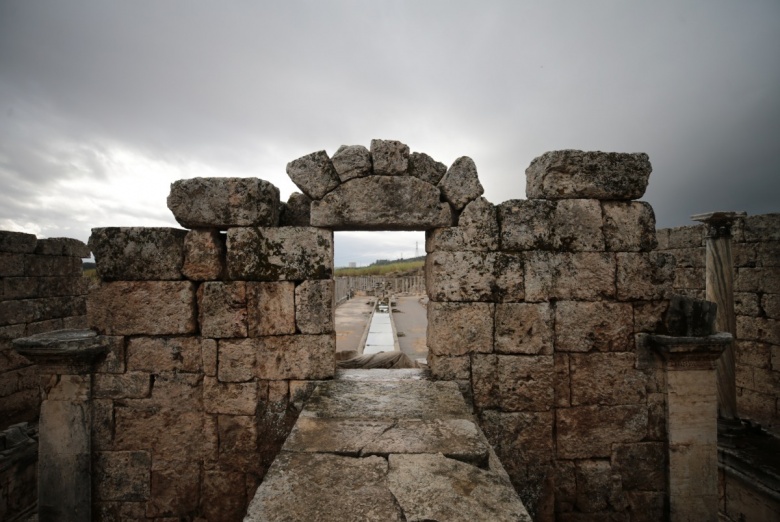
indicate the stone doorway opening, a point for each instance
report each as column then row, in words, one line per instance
column 379, row 294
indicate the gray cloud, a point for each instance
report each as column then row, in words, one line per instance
column 97, row 95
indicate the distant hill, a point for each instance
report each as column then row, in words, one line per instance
column 385, row 267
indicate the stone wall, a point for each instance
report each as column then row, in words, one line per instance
column 219, row 331
column 535, row 303
column 756, row 254
column 41, row 289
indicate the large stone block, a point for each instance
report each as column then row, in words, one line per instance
column 390, row 157
column 569, row 225
column 460, row 328
column 460, row 185
column 224, row 202
column 138, row 253
column 477, row 230
column 591, row 431
column 644, row 276
column 513, row 382
column 271, row 308
column 143, row 308
column 61, row 246
column 382, row 203
column 602, row 326
column 11, row 265
column 296, row 357
column 641, row 466
column 204, row 255
column 587, row 276
column 691, row 236
column 598, row 489
column 426, row 168
column 222, row 309
column 296, row 212
column 450, row 368
column 314, row 305
column 564, row 174
column 524, row 328
column 352, row 161
column 17, row 242
column 474, row 276
column 273, row 254
column 122, row 475
column 230, row 398
column 629, row 226
column 51, row 266
column 174, row 488
column 606, row 379
column 764, row 280
column 313, row 174
column 159, row 354
column 167, row 432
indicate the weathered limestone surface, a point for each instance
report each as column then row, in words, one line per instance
column 296, row 212
column 61, row 246
column 477, row 230
column 138, row 253
column 573, row 225
column 314, row 307
column 313, row 174
column 416, row 482
column 271, row 308
column 524, row 328
column 576, row 174
column 602, row 326
column 629, row 226
column 460, row 328
column 426, row 168
column 277, row 358
column 381, row 203
column 224, row 202
column 17, row 242
column 437, row 463
column 204, row 255
column 273, row 254
column 587, row 276
column 460, row 184
column 352, row 161
column 222, row 309
column 474, row 276
column 390, row 157
column 143, row 308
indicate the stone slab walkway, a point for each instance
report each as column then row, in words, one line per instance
column 386, row 445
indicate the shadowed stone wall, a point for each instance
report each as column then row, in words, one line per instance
column 220, row 331
column 756, row 254
column 41, row 289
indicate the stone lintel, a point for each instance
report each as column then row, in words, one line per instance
column 690, row 353
column 63, row 351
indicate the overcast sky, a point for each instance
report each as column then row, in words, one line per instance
column 103, row 103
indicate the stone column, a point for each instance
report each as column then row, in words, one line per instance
column 65, row 359
column 720, row 290
column 691, row 423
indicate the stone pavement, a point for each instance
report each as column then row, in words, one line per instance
column 386, row 445
column 351, row 320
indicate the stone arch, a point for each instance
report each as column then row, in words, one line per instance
column 388, row 188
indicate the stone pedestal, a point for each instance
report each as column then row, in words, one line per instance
column 65, row 360
column 720, row 290
column 691, row 423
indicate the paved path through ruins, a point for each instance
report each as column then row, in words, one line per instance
column 351, row 319
column 384, row 445
column 411, row 323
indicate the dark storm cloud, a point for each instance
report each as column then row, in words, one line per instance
column 90, row 91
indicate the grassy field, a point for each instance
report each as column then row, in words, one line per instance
column 396, row 267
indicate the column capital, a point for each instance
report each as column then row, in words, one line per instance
column 71, row 352
column 690, row 353
column 718, row 223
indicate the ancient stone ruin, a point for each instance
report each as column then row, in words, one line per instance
column 550, row 315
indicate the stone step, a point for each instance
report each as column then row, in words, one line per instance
column 386, row 445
